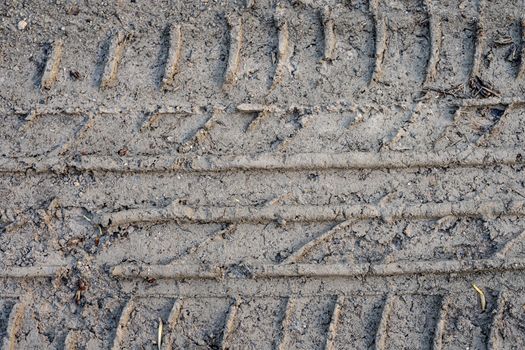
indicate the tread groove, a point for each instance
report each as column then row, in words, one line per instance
column 479, row 43
column 46, row 271
column 230, row 323
column 313, row 213
column 220, row 234
column 284, row 324
column 334, row 323
column 87, row 124
column 153, row 117
column 284, row 51
column 52, row 65
column 401, row 132
column 380, row 40
column 503, row 252
column 266, row 161
column 382, row 329
column 438, row 267
column 14, row 324
column 113, row 57
column 497, row 126
column 173, row 319
column 302, row 121
column 329, row 34
column 192, row 141
column 494, row 341
column 234, row 52
column 521, row 69
column 261, row 112
column 71, row 341
column 123, row 322
column 437, row 340
column 310, row 245
column 172, row 65
column 434, row 27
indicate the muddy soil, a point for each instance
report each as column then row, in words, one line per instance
column 262, row 174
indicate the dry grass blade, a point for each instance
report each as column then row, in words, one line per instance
column 482, row 300
column 482, row 88
column 159, row 334
column 503, row 40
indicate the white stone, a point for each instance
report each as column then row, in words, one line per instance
column 22, row 24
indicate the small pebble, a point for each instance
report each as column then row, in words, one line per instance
column 22, row 24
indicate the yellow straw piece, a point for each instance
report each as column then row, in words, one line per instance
column 159, row 334
column 482, row 299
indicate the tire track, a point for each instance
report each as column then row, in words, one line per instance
column 384, row 335
column 66, row 151
column 261, row 113
column 302, row 117
column 61, row 146
column 220, row 234
column 30, row 116
column 284, row 50
column 87, row 124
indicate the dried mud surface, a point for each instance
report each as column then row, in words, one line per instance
column 262, row 174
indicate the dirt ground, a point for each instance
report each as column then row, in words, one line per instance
column 262, row 174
